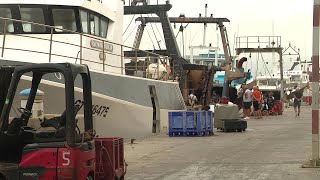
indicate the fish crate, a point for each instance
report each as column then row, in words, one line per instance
column 190, row 123
column 277, row 107
column 201, row 117
column 109, row 158
column 176, row 122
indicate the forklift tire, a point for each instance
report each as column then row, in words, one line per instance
column 89, row 178
column 2, row 177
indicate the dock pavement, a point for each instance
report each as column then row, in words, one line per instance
column 272, row 148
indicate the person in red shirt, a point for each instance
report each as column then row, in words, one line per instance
column 257, row 100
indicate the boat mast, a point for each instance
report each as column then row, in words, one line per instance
column 205, row 26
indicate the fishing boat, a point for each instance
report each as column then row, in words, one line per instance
column 87, row 32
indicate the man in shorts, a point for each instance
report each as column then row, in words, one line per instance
column 247, row 103
column 297, row 101
column 192, row 99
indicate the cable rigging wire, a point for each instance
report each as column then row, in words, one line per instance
column 150, row 39
column 154, row 34
column 257, row 64
column 162, row 38
column 128, row 25
column 267, row 68
column 130, row 34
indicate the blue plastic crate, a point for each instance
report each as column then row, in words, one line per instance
column 191, row 122
column 209, row 121
column 176, row 122
column 201, row 122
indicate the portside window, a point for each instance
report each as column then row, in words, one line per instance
column 6, row 13
column 64, row 19
column 104, row 27
column 35, row 15
column 94, row 25
column 84, row 21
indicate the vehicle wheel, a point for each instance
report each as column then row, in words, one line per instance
column 89, row 178
column 265, row 113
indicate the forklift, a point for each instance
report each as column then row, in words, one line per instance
column 29, row 154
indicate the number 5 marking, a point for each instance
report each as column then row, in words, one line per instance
column 66, row 159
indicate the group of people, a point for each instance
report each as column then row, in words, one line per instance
column 253, row 97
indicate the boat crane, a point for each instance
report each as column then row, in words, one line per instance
column 230, row 75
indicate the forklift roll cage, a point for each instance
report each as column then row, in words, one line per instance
column 70, row 72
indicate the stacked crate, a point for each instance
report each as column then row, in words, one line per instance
column 190, row 123
column 109, row 158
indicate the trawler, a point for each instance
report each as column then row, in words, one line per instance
column 88, row 32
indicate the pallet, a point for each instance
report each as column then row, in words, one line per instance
column 190, row 134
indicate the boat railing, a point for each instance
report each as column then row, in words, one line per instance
column 258, row 42
column 144, row 70
column 143, row 2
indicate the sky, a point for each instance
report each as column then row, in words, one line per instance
column 290, row 19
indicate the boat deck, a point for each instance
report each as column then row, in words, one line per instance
column 272, row 148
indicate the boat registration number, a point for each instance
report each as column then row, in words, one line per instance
column 98, row 110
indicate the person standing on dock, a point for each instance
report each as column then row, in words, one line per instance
column 192, row 99
column 297, row 101
column 257, row 98
column 247, row 103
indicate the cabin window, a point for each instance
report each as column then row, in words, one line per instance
column 263, row 82
column 94, row 25
column 6, row 13
column 64, row 19
column 84, row 21
column 32, row 15
column 104, row 27
column 273, row 82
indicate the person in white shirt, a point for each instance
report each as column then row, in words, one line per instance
column 192, row 99
column 247, row 103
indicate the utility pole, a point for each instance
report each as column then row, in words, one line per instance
column 315, row 162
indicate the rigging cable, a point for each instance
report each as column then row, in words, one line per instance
column 266, row 67
column 151, row 39
column 182, row 43
column 130, row 34
column 154, row 34
column 257, row 65
column 194, row 36
column 128, row 25
column 162, row 38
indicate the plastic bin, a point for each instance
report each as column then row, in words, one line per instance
column 201, row 122
column 209, row 122
column 191, row 122
column 177, row 122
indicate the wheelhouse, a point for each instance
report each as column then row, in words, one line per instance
column 64, row 18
